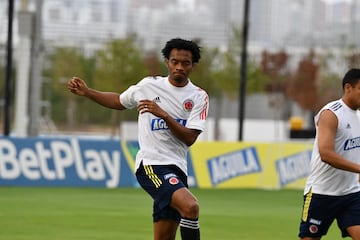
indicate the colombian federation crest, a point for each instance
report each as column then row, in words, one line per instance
column 313, row 229
column 188, row 105
column 173, row 181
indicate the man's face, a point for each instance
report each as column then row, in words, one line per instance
column 179, row 65
column 354, row 93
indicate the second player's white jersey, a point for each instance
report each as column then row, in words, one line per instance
column 325, row 179
column 188, row 105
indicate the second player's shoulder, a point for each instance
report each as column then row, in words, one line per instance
column 332, row 106
column 335, row 106
column 337, row 109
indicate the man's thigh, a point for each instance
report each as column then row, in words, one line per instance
column 161, row 182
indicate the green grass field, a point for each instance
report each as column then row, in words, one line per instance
column 109, row 214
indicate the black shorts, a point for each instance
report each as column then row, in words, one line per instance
column 161, row 181
column 319, row 211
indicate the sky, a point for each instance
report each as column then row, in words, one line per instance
column 334, row 1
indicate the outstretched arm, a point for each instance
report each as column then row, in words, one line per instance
column 107, row 99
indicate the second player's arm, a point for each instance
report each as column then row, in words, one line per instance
column 327, row 126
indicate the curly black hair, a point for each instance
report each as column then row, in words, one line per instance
column 352, row 77
column 182, row 44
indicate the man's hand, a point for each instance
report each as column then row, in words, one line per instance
column 77, row 86
column 151, row 107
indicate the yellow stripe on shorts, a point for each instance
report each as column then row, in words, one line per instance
column 152, row 176
column 306, row 206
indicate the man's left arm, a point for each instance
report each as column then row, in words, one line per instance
column 186, row 134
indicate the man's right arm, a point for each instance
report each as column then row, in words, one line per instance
column 107, row 99
column 327, row 127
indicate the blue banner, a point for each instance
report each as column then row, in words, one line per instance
column 65, row 162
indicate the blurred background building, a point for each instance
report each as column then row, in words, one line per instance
column 294, row 25
column 273, row 23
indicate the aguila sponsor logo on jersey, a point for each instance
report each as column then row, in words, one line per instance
column 188, row 105
column 352, row 143
column 160, row 124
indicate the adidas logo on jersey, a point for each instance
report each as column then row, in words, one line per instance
column 157, row 99
column 348, row 126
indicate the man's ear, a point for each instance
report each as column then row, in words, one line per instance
column 166, row 61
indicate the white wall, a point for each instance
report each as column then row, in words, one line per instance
column 253, row 130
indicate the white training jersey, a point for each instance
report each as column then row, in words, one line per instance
column 325, row 179
column 188, row 105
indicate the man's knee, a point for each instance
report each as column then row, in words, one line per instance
column 186, row 203
column 191, row 210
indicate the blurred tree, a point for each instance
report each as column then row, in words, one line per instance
column 353, row 59
column 154, row 65
column 203, row 76
column 203, row 72
column 64, row 63
column 228, row 70
column 303, row 87
column 226, row 74
column 275, row 67
column 329, row 89
column 119, row 65
column 219, row 74
column 330, row 82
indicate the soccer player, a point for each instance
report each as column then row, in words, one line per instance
column 332, row 190
column 172, row 114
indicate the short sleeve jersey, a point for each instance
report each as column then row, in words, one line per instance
column 325, row 179
column 188, row 105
